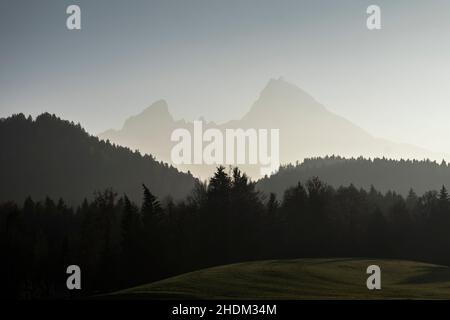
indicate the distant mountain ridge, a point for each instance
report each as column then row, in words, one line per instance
column 56, row 158
column 307, row 129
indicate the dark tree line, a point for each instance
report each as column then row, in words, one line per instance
column 385, row 174
column 119, row 244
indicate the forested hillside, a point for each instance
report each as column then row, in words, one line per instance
column 56, row 158
column 384, row 174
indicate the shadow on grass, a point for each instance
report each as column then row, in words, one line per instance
column 430, row 275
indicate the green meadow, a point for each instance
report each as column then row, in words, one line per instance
column 301, row 279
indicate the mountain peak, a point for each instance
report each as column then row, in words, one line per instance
column 158, row 108
column 281, row 98
column 282, row 89
column 154, row 115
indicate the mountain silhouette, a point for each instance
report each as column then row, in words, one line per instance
column 143, row 131
column 306, row 129
column 293, row 100
column 56, row 158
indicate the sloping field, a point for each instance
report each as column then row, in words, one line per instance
column 301, row 279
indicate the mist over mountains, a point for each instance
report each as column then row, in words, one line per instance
column 56, row 158
column 306, row 128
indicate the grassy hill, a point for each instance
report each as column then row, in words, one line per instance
column 301, row 279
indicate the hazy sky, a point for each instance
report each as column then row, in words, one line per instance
column 212, row 58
